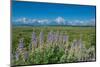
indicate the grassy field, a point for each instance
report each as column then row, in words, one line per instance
column 87, row 35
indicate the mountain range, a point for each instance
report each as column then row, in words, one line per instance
column 48, row 22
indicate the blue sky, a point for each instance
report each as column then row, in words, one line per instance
column 38, row 10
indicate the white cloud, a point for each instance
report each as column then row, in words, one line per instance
column 82, row 22
column 91, row 22
column 79, row 21
column 75, row 22
column 43, row 21
column 18, row 20
column 60, row 20
column 23, row 20
column 31, row 20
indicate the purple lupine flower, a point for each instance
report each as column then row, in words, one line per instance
column 34, row 39
column 21, row 44
column 41, row 38
column 74, row 43
column 77, row 43
column 56, row 37
column 17, row 55
column 50, row 37
column 80, row 43
column 26, row 55
column 53, row 37
column 65, row 39
column 60, row 38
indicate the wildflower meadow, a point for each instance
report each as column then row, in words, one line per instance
column 52, row 44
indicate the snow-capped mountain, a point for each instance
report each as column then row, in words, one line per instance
column 57, row 21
